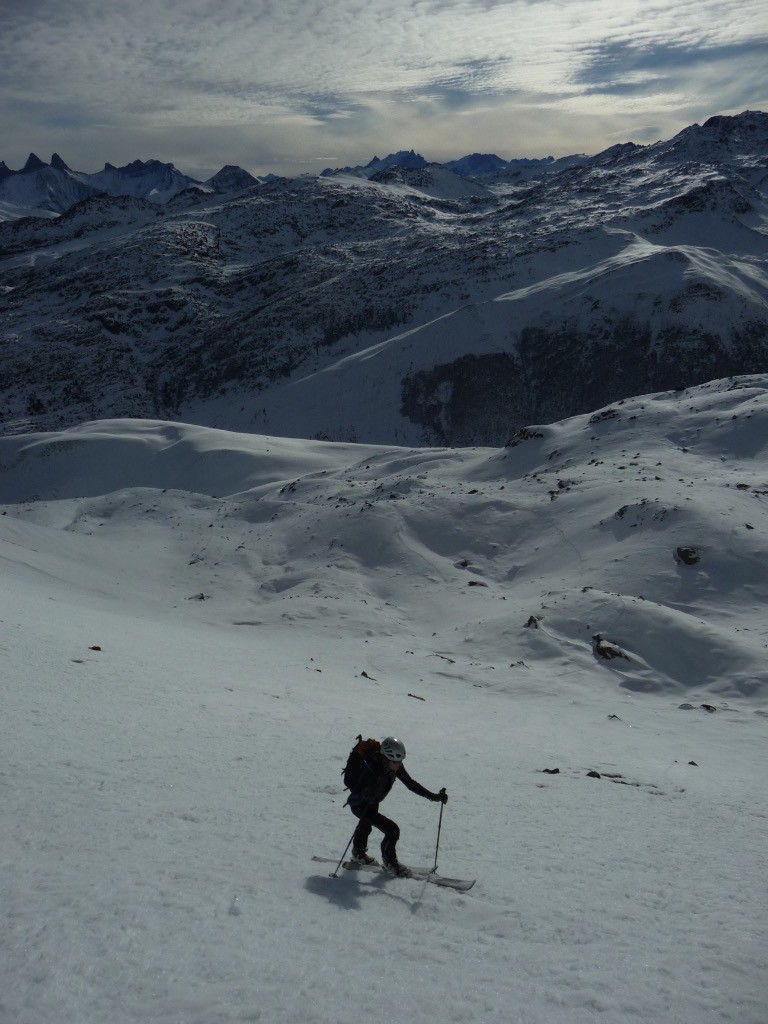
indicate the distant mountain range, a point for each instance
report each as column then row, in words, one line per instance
column 40, row 188
column 397, row 302
column 475, row 165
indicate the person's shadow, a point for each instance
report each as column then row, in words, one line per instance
column 344, row 893
column 347, row 891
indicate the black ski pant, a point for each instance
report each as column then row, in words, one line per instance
column 370, row 817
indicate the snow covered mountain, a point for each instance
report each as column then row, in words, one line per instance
column 474, row 165
column 39, row 189
column 406, row 159
column 410, row 305
column 568, row 633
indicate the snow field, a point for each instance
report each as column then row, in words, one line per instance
column 161, row 797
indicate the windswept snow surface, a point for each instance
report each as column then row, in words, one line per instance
column 196, row 624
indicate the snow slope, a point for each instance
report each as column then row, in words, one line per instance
column 196, row 624
column 360, row 394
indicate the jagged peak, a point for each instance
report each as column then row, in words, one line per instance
column 408, row 158
column 34, row 163
column 139, row 167
column 58, row 163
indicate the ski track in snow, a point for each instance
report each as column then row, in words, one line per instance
column 257, row 602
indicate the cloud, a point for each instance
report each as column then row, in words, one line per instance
column 618, row 67
column 297, row 77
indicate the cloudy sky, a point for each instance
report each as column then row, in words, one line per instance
column 298, row 85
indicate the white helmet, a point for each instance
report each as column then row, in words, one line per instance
column 393, row 749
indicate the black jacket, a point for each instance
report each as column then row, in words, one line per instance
column 376, row 780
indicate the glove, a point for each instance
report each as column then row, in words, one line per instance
column 442, row 797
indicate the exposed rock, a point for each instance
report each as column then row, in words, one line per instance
column 687, row 555
column 604, row 649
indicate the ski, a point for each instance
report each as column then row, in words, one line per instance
column 419, row 874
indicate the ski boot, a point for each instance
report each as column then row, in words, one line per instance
column 360, row 857
column 394, row 867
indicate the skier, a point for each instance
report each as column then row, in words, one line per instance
column 379, row 770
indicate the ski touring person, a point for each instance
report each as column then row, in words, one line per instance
column 371, row 772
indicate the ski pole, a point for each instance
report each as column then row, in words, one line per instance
column 437, row 844
column 335, row 873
